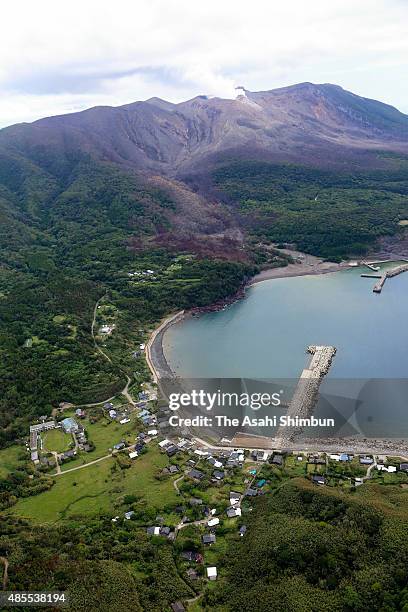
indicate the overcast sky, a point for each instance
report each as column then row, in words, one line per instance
column 62, row 56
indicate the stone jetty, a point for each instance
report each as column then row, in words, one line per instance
column 389, row 274
column 305, row 395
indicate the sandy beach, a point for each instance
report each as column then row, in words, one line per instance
column 304, row 265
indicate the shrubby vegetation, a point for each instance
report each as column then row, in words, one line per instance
column 314, row 549
column 325, row 213
column 66, row 240
column 101, row 567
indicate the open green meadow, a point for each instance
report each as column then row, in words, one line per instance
column 104, row 434
column 100, row 488
column 56, row 440
column 11, row 458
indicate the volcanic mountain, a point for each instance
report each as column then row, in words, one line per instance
column 306, row 123
column 202, row 193
column 59, row 170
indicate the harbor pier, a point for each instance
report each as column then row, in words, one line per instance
column 389, row 274
column 305, row 395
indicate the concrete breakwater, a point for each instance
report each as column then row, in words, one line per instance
column 305, row 395
column 370, row 265
column 389, row 274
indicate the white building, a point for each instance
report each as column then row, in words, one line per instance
column 234, row 498
column 212, row 573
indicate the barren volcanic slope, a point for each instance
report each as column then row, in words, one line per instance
column 303, row 123
column 318, row 126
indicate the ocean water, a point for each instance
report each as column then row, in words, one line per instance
column 265, row 336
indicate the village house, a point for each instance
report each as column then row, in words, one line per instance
column 165, row 531
column 214, row 462
column 234, row 498
column 171, row 450
column 259, row 455
column 119, row 446
column 318, row 479
column 192, row 556
column 277, row 459
column 153, row 531
column 383, row 468
column 233, row 512
column 195, row 474
column 67, row 456
column 218, row 475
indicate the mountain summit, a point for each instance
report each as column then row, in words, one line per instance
column 307, row 123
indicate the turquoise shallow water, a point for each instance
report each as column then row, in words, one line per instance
column 265, row 336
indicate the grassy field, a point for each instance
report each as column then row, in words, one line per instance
column 104, row 434
column 99, row 488
column 56, row 440
column 11, row 458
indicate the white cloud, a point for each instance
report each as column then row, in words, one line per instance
column 56, row 57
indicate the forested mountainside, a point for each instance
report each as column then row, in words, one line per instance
column 65, row 243
column 305, row 548
column 199, row 192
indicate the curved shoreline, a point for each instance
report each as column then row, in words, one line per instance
column 160, row 369
column 155, row 358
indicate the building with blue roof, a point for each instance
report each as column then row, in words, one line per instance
column 70, row 425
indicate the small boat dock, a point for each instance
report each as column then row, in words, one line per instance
column 389, row 274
